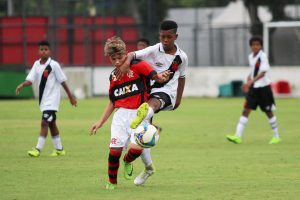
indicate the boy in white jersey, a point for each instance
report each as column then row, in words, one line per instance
column 258, row 92
column 163, row 56
column 48, row 73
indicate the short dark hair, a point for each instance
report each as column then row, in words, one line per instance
column 256, row 38
column 145, row 40
column 168, row 25
column 44, row 43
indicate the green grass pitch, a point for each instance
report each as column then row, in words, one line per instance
column 193, row 158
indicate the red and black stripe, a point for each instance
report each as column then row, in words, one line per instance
column 173, row 68
column 113, row 165
column 257, row 66
column 132, row 154
column 43, row 82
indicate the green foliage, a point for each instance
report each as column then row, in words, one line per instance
column 193, row 159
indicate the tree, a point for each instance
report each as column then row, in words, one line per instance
column 276, row 8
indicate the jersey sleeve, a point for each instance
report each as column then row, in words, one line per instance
column 183, row 67
column 59, row 74
column 144, row 53
column 32, row 76
column 264, row 65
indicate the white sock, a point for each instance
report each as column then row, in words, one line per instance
column 241, row 126
column 40, row 143
column 149, row 114
column 273, row 124
column 57, row 142
column 146, row 157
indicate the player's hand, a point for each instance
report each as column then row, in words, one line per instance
column 164, row 76
column 245, row 88
column 177, row 103
column 19, row 87
column 73, row 101
column 94, row 128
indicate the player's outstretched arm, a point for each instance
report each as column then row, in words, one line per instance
column 72, row 99
column 125, row 66
column 19, row 87
column 180, row 88
column 105, row 115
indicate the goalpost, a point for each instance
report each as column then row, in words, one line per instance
column 280, row 24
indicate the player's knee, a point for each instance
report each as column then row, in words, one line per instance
column 44, row 124
column 246, row 112
column 154, row 103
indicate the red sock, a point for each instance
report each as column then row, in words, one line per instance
column 132, row 154
column 113, row 165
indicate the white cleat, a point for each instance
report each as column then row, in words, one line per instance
column 142, row 177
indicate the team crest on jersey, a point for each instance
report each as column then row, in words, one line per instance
column 113, row 76
column 159, row 64
column 175, row 65
column 125, row 90
column 130, row 74
column 46, row 73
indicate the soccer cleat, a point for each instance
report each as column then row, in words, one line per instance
column 57, row 152
column 234, row 139
column 128, row 170
column 110, row 186
column 140, row 116
column 34, row 152
column 275, row 140
column 144, row 175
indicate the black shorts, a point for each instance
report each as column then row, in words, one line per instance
column 164, row 99
column 262, row 97
column 49, row 115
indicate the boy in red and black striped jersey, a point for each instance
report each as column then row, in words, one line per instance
column 258, row 92
column 125, row 95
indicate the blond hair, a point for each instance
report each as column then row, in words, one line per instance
column 114, row 45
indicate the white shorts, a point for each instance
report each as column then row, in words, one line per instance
column 121, row 133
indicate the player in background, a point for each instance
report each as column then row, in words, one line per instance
column 142, row 43
column 48, row 73
column 125, row 95
column 258, row 92
column 162, row 56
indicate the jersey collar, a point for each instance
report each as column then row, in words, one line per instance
column 47, row 62
column 161, row 49
column 258, row 54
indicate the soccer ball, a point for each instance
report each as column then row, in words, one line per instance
column 146, row 135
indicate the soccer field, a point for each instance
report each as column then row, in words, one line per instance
column 193, row 158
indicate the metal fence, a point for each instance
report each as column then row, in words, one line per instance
column 77, row 31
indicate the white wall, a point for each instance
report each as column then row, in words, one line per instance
column 200, row 81
column 205, row 81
